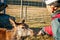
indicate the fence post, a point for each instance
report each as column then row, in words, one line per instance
column 21, row 14
column 25, row 13
column 5, row 8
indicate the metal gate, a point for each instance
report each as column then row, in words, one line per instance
column 33, row 11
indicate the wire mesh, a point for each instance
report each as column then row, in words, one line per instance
column 33, row 11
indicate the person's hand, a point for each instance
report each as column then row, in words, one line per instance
column 39, row 33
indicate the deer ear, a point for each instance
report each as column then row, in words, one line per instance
column 12, row 22
column 23, row 20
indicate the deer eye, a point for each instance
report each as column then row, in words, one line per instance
column 23, row 27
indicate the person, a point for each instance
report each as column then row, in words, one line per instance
column 53, row 7
column 4, row 18
column 47, row 30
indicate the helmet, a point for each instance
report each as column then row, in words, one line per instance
column 50, row 1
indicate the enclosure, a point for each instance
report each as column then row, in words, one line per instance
column 33, row 11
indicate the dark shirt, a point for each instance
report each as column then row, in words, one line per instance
column 4, row 21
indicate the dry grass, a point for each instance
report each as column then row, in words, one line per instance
column 40, row 38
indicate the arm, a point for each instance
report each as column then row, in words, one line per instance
column 55, row 26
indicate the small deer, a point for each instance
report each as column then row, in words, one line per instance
column 21, row 30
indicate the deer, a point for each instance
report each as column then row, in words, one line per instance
column 21, row 30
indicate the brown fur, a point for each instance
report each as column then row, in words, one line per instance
column 7, row 34
column 2, row 34
column 22, row 26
